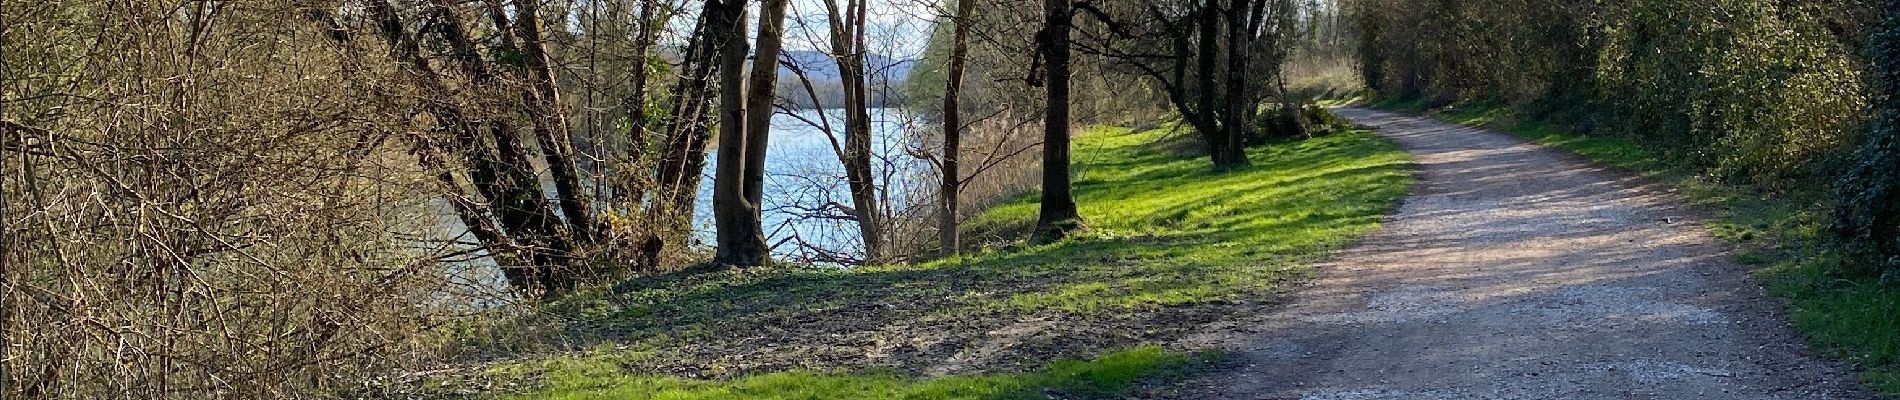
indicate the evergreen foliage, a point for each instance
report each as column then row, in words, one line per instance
column 1757, row 92
column 1868, row 199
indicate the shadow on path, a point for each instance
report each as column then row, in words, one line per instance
column 1518, row 272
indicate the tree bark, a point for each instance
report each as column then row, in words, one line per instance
column 683, row 147
column 632, row 191
column 762, row 91
column 1058, row 217
column 1206, row 79
column 550, row 123
column 741, row 240
column 1232, row 151
column 526, row 209
column 847, row 48
column 951, row 184
column 501, row 173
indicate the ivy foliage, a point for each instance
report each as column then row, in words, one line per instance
column 1869, row 191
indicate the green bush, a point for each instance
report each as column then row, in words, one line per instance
column 1868, row 209
column 1759, row 92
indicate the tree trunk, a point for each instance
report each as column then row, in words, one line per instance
column 632, row 191
column 477, row 217
column 1194, row 111
column 951, row 184
column 550, row 123
column 1232, row 150
column 857, row 160
column 501, row 173
column 683, row 148
column 847, row 46
column 1058, row 217
column 741, row 240
column 762, row 91
column 1205, row 78
column 474, row 215
column 527, row 210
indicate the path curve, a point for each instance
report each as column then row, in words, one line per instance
column 1518, row 272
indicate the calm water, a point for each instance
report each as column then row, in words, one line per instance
column 802, row 175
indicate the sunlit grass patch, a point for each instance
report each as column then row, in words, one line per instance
column 1171, row 244
column 1167, row 230
column 601, row 378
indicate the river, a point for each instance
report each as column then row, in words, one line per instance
column 802, row 172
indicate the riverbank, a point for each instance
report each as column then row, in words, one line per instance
column 1174, row 249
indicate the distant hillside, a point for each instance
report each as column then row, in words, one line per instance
column 819, row 66
column 886, row 74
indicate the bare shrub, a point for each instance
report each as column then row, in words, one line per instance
column 196, row 205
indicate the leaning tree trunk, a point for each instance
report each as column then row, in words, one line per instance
column 741, row 241
column 477, row 216
column 683, row 144
column 1057, row 217
column 951, row 183
column 550, row 123
column 554, row 269
column 501, row 173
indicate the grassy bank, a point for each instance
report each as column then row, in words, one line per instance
column 1172, row 247
column 600, row 377
column 1778, row 233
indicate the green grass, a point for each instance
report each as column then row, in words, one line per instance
column 1172, row 245
column 1778, row 234
column 1199, row 235
column 1108, row 375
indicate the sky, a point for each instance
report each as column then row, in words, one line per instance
column 897, row 28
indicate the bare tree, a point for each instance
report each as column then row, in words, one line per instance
column 501, row 75
column 1223, row 60
column 500, row 171
column 740, row 235
column 847, row 22
column 550, row 121
column 683, row 148
column 261, row 220
column 762, row 92
column 953, row 128
column 1057, row 217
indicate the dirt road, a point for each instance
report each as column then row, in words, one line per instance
column 1518, row 272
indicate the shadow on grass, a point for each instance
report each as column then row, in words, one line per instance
column 1171, row 245
column 1104, row 376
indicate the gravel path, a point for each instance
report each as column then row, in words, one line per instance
column 1518, row 272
